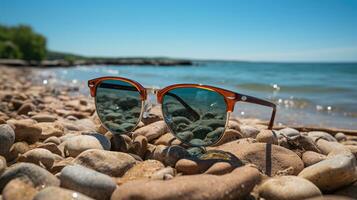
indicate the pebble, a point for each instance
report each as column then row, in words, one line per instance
column 142, row 170
column 2, row 164
column 267, row 136
column 165, row 139
column 17, row 189
column 7, row 138
column 152, row 131
column 60, row 164
column 53, row 139
column 151, row 118
column 249, row 131
column 105, row 142
column 38, row 156
column 75, row 145
column 85, row 125
column 332, row 173
column 38, row 176
column 17, row 149
column 119, row 142
column 87, row 181
column 288, row 132
column 288, row 188
column 60, row 194
column 189, row 167
column 327, row 147
column 50, row 129
column 235, row 125
column 42, row 117
column 309, row 158
column 229, row 135
column 163, row 174
column 303, row 143
column 107, row 162
column 139, row 146
column 168, row 155
column 255, row 153
column 25, row 109
column 69, row 125
column 68, row 136
column 340, row 137
column 52, row 147
column 219, row 168
column 323, row 135
column 236, row 185
column 26, row 130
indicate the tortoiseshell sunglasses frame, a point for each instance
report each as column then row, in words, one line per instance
column 230, row 97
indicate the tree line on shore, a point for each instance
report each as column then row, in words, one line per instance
column 21, row 42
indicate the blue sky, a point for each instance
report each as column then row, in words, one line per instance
column 257, row 30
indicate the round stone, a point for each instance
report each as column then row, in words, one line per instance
column 309, row 158
column 77, row 144
column 108, row 162
column 38, row 176
column 60, row 194
column 279, row 158
column 340, row 137
column 267, row 136
column 288, row 188
column 38, row 156
column 2, row 164
column 332, row 173
column 87, row 181
column 19, row 190
column 7, row 138
column 323, row 135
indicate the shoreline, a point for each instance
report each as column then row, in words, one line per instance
column 90, row 62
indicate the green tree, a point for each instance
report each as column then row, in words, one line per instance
column 9, row 50
column 31, row 45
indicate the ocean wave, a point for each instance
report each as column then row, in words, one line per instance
column 259, row 87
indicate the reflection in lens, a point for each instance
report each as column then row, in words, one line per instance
column 196, row 116
column 216, row 154
column 118, row 105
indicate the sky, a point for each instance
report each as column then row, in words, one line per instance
column 253, row 30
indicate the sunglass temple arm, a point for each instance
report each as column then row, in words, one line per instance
column 250, row 99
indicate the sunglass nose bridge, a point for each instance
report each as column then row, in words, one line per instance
column 152, row 90
column 147, row 108
column 149, row 101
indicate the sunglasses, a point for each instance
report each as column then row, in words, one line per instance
column 195, row 114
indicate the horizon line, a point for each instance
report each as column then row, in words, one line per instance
column 214, row 59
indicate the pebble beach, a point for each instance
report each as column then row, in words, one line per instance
column 53, row 146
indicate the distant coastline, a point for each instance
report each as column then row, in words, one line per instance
column 60, row 59
column 96, row 61
column 141, row 61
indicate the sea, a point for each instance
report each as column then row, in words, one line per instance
column 307, row 94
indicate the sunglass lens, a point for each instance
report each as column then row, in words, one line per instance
column 196, row 116
column 118, row 105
